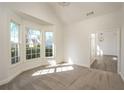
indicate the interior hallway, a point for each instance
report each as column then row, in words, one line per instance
column 106, row 63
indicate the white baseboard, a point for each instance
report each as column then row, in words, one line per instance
column 93, row 60
column 84, row 65
column 9, row 79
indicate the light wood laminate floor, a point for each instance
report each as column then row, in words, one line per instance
column 72, row 77
column 106, row 63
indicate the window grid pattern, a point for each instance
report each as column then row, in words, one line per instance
column 32, row 44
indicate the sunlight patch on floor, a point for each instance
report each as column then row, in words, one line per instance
column 52, row 70
column 60, row 69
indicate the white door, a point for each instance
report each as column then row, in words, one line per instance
column 107, row 43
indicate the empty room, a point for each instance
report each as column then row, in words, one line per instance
column 61, row 46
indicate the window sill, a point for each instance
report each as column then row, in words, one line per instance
column 16, row 64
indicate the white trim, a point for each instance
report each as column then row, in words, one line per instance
column 84, row 65
column 118, row 30
column 119, row 50
column 9, row 78
column 122, row 75
column 14, row 18
column 92, row 58
column 91, row 61
column 52, row 57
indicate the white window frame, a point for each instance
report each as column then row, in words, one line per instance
column 26, row 28
column 45, row 44
column 19, row 43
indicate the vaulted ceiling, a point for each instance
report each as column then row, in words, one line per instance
column 78, row 11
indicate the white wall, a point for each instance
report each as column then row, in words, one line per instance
column 3, row 60
column 109, row 44
column 122, row 45
column 40, row 11
column 77, row 48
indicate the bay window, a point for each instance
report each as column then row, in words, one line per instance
column 33, row 39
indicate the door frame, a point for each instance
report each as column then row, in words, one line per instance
column 118, row 30
column 92, row 59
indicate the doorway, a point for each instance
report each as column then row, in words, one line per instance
column 105, row 50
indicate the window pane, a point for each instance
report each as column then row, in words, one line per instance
column 50, row 54
column 38, row 55
column 33, row 55
column 12, row 60
column 16, row 52
column 49, row 44
column 33, row 37
column 33, row 50
column 14, row 28
column 48, row 50
column 28, row 56
column 17, row 59
column 12, row 52
column 28, row 51
column 47, row 55
column 38, row 46
column 27, row 46
column 38, row 50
